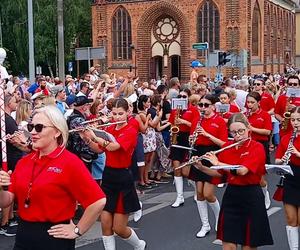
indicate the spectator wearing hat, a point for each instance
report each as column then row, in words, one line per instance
column 85, row 149
column 59, row 93
column 93, row 75
column 194, row 74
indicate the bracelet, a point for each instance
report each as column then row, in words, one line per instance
column 234, row 171
column 105, row 144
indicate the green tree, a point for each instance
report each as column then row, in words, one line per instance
column 77, row 22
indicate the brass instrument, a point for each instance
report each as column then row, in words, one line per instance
column 175, row 128
column 286, row 114
column 87, row 126
column 199, row 158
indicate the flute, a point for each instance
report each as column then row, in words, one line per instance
column 95, row 127
column 199, row 158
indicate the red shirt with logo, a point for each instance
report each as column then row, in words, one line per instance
column 280, row 109
column 127, row 138
column 191, row 115
column 250, row 154
column 282, row 147
column 267, row 102
column 260, row 119
column 59, row 180
column 215, row 126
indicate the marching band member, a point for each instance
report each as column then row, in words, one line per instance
column 184, row 121
column 267, row 102
column 224, row 99
column 285, row 104
column 47, row 184
column 243, row 218
column 260, row 127
column 212, row 132
column 291, row 188
column 117, row 181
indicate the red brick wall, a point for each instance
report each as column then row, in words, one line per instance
column 235, row 33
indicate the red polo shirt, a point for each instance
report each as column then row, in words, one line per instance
column 191, row 115
column 232, row 109
column 260, row 119
column 267, row 102
column 59, row 179
column 127, row 138
column 215, row 126
column 282, row 147
column 250, row 155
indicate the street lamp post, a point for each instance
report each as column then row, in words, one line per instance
column 30, row 42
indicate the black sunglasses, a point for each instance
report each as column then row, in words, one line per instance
column 182, row 96
column 38, row 127
column 256, row 84
column 293, row 84
column 205, row 105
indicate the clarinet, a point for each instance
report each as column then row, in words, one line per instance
column 194, row 136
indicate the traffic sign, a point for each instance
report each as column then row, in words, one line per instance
column 200, row 46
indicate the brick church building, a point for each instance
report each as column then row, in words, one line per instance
column 155, row 37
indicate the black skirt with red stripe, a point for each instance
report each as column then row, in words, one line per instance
column 291, row 187
column 118, row 186
column 195, row 174
column 179, row 154
column 243, row 217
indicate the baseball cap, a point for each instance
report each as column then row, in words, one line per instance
column 56, row 89
column 82, row 100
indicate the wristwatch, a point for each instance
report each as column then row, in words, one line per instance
column 77, row 231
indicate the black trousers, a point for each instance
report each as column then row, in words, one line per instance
column 34, row 236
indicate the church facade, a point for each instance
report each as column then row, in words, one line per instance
column 155, row 37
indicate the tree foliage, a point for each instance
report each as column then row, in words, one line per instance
column 77, row 31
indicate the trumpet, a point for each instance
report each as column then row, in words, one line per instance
column 82, row 128
column 199, row 158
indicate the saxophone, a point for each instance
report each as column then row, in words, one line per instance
column 175, row 128
column 286, row 114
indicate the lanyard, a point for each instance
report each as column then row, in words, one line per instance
column 32, row 179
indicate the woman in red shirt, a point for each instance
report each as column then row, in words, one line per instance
column 117, row 180
column 243, row 218
column 212, row 134
column 291, row 188
column 179, row 155
column 47, row 184
column 261, row 128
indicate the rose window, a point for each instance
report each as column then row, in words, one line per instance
column 166, row 30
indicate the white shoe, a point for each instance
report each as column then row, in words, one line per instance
column 138, row 214
column 293, row 237
column 178, row 202
column 203, row 232
column 267, row 200
column 109, row 242
column 135, row 241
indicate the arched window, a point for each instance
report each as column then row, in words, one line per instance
column 256, row 31
column 208, row 25
column 121, row 35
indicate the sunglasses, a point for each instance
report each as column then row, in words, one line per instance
column 293, row 84
column 238, row 132
column 182, row 96
column 256, row 84
column 205, row 105
column 38, row 127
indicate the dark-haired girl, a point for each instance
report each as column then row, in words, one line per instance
column 243, row 218
column 225, row 99
column 178, row 155
column 212, row 134
column 291, row 189
column 260, row 125
column 117, row 181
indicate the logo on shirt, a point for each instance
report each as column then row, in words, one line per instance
column 214, row 125
column 54, row 170
column 260, row 119
column 244, row 154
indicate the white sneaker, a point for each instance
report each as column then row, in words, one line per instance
column 138, row 214
column 203, row 232
column 142, row 245
column 267, row 200
column 179, row 202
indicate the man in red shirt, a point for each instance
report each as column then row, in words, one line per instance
column 267, row 102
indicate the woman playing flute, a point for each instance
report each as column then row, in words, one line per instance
column 243, row 218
